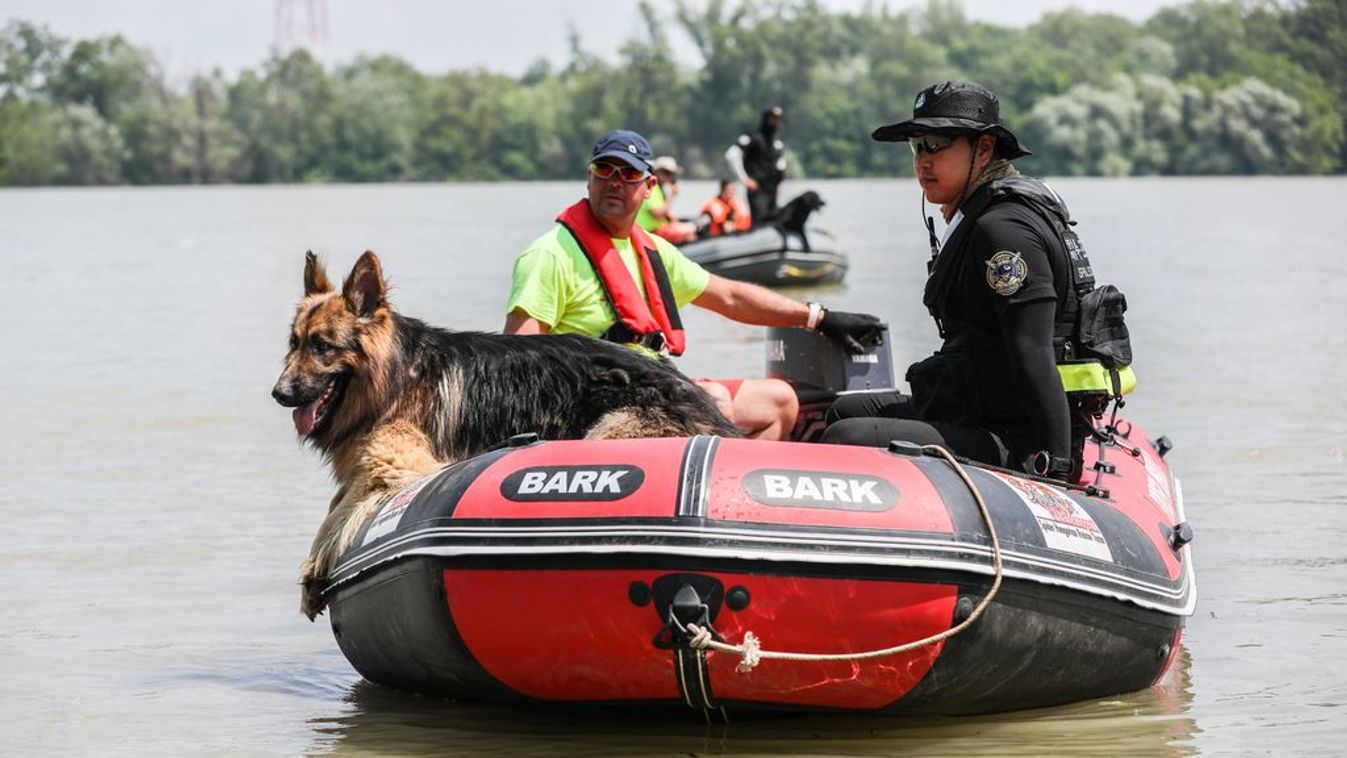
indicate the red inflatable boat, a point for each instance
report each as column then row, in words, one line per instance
column 634, row 572
column 704, row 574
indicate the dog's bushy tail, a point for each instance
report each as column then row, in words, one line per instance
column 660, row 395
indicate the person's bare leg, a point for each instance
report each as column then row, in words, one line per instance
column 721, row 394
column 765, row 409
column 678, row 232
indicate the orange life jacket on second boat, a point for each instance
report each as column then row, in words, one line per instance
column 722, row 213
column 654, row 324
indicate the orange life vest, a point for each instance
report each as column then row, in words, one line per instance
column 722, row 212
column 654, row 324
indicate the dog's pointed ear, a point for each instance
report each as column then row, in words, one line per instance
column 364, row 290
column 315, row 278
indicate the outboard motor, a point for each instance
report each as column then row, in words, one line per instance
column 819, row 370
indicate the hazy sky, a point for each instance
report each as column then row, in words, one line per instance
column 434, row 35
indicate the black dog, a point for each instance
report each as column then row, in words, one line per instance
column 793, row 215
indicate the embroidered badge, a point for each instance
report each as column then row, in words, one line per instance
column 921, row 100
column 1006, row 272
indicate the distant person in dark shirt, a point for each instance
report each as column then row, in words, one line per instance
column 758, row 158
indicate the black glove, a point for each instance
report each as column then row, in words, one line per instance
column 853, row 331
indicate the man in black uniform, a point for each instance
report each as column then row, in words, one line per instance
column 758, row 158
column 1004, row 287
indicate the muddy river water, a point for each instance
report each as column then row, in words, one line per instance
column 156, row 504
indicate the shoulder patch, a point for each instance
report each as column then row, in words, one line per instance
column 1006, row 272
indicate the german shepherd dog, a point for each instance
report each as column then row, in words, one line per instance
column 389, row 399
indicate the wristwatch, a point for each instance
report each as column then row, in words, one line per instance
column 815, row 316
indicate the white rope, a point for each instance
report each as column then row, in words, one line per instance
column 750, row 651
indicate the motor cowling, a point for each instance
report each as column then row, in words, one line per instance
column 819, row 370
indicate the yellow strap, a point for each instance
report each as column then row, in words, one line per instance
column 1093, row 376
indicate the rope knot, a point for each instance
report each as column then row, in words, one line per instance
column 751, row 654
column 701, row 637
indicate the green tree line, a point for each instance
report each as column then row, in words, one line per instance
column 1231, row 87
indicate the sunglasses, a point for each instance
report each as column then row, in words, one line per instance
column 931, row 143
column 606, row 171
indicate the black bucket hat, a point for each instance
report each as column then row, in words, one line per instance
column 954, row 106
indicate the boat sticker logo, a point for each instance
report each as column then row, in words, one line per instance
column 1159, row 489
column 571, row 483
column 391, row 514
column 1006, row 272
column 820, row 489
column 1065, row 525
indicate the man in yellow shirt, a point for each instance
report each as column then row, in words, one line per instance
column 585, row 275
column 656, row 214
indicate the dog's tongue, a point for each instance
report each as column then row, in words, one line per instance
column 306, row 418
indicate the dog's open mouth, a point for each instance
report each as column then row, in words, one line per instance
column 309, row 417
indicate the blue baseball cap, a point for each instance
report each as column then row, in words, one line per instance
column 630, row 147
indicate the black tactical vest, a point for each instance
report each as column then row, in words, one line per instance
column 1035, row 194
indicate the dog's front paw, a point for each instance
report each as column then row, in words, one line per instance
column 311, row 602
